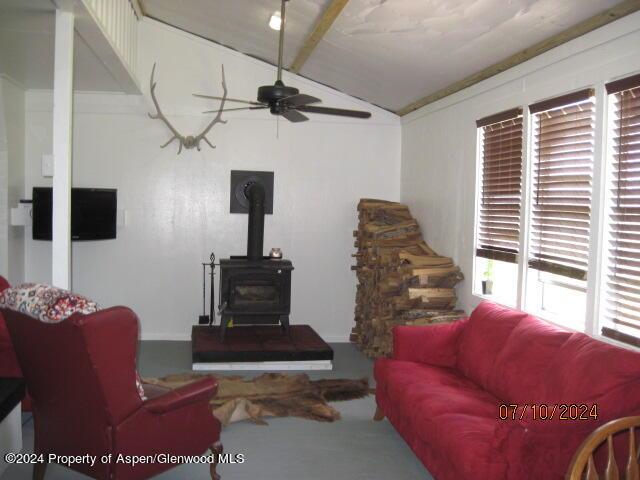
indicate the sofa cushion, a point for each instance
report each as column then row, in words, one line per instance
column 46, row 303
column 443, row 409
column 521, row 370
column 589, row 371
column 437, row 391
column 484, row 338
column 474, row 445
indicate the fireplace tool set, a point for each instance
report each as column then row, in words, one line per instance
column 254, row 289
column 205, row 319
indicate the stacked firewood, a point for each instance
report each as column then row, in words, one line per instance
column 401, row 281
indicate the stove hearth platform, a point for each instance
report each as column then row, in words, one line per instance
column 263, row 347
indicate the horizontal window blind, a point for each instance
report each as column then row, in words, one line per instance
column 622, row 309
column 562, row 177
column 500, row 192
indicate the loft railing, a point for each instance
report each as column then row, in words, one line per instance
column 119, row 22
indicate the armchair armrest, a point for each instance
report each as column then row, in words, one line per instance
column 432, row 344
column 186, row 395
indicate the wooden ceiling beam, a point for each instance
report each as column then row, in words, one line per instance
column 137, row 7
column 616, row 12
column 319, row 30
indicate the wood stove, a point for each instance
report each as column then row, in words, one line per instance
column 255, row 290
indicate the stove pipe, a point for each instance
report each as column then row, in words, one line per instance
column 256, row 195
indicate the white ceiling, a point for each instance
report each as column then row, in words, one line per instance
column 27, row 30
column 388, row 52
column 241, row 24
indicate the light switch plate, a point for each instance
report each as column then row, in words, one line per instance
column 121, row 218
column 47, row 165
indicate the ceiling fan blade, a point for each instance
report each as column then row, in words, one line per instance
column 211, row 97
column 299, row 100
column 261, row 107
column 334, row 111
column 294, row 116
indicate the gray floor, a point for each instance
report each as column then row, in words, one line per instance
column 354, row 447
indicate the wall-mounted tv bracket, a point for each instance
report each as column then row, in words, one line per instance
column 21, row 215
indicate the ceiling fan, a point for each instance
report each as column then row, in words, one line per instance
column 285, row 101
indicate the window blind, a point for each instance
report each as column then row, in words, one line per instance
column 500, row 192
column 622, row 308
column 562, row 175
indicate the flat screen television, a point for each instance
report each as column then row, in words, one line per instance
column 93, row 213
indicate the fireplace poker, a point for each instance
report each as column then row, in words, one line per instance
column 205, row 319
column 212, row 257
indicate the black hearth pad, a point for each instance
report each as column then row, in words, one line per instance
column 258, row 344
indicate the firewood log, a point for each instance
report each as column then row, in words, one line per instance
column 401, row 280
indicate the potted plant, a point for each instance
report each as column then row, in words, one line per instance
column 487, row 283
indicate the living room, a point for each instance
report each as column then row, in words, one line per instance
column 481, row 153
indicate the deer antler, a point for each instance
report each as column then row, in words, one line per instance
column 217, row 118
column 160, row 115
column 189, row 141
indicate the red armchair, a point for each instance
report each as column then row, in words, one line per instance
column 8, row 363
column 81, row 374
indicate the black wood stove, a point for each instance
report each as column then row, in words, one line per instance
column 255, row 290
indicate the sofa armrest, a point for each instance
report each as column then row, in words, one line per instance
column 431, row 344
column 195, row 392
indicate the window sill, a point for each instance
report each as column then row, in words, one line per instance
column 480, row 297
column 615, row 342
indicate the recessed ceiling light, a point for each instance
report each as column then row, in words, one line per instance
column 276, row 21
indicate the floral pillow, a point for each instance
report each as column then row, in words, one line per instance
column 46, row 303
column 51, row 305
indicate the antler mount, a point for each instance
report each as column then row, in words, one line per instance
column 188, row 141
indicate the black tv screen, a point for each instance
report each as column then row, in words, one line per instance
column 93, row 213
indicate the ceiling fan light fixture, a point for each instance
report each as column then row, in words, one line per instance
column 286, row 101
column 275, row 22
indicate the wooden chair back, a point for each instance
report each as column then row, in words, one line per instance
column 583, row 466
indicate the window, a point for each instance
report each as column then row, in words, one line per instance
column 498, row 229
column 560, row 207
column 621, row 312
column 545, row 269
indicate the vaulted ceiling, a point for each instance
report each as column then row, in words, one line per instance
column 389, row 52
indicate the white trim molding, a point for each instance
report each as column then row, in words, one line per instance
column 271, row 366
column 62, row 150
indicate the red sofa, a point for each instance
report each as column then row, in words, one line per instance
column 444, row 385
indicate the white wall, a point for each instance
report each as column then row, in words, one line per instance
column 4, row 190
column 178, row 205
column 439, row 140
column 12, row 125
